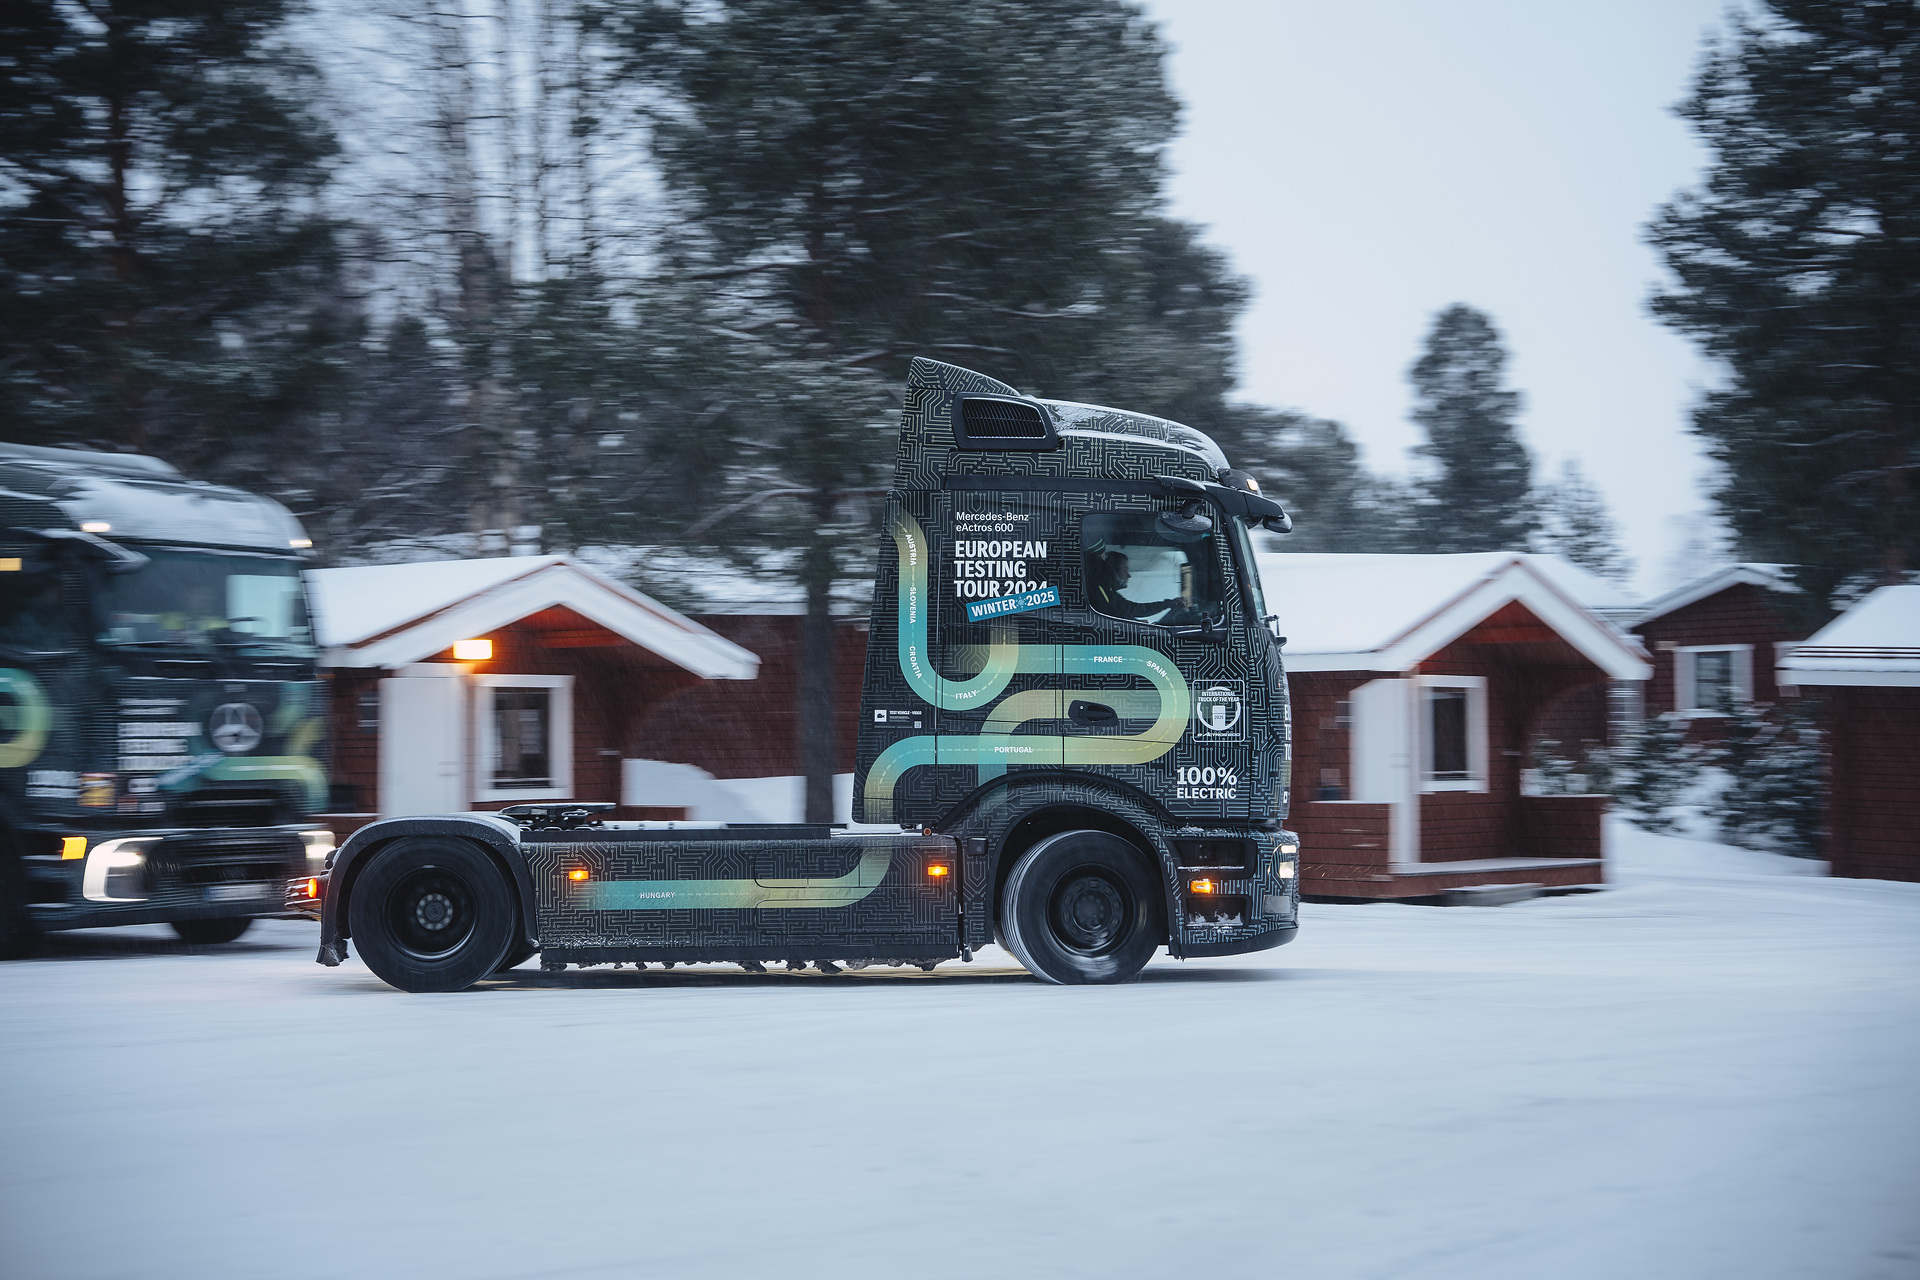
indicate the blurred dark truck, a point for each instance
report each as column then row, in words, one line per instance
column 162, row 730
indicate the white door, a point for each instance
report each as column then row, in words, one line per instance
column 1383, row 741
column 423, row 742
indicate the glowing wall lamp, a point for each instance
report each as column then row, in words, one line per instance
column 473, row 650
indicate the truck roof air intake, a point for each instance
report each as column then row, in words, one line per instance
column 997, row 422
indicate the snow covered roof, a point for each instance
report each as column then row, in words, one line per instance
column 705, row 583
column 394, row 614
column 1875, row 642
column 1773, row 577
column 1390, row 612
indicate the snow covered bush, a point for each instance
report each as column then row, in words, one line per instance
column 1774, row 796
column 1653, row 771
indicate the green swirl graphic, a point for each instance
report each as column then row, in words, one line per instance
column 876, row 856
column 915, row 601
column 997, row 746
column 25, row 715
column 304, row 771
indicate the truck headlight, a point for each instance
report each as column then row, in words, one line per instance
column 116, row 870
column 319, row 848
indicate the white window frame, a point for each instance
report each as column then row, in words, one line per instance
column 559, row 737
column 1476, row 687
column 1684, row 694
column 1782, row 650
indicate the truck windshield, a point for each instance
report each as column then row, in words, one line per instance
column 203, row 599
column 1243, row 552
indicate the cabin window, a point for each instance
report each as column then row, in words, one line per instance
column 525, row 727
column 1709, row 679
column 1453, row 733
column 1137, row 568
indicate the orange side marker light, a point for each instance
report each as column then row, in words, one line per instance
column 577, row 874
column 1201, row 886
column 72, row 847
column 938, row 869
column 313, row 888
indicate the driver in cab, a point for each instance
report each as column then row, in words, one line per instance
column 1112, row 571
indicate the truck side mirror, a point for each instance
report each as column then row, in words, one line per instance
column 1205, row 633
column 1189, row 524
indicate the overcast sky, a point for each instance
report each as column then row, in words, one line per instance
column 1367, row 162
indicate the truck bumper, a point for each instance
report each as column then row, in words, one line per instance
column 1240, row 946
column 168, row 876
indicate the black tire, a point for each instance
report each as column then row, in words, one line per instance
column 20, row 937
column 432, row 913
column 210, row 933
column 1082, row 907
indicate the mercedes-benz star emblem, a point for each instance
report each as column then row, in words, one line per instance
column 234, row 727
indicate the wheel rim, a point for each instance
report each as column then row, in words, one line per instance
column 1090, row 912
column 430, row 913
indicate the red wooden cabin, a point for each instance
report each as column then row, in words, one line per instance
column 1865, row 664
column 1420, row 684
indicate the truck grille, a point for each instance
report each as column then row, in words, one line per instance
column 183, row 863
column 226, row 806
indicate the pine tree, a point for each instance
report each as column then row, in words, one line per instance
column 1312, row 467
column 168, row 286
column 1575, row 523
column 1798, row 268
column 1479, row 497
column 863, row 182
column 1775, row 796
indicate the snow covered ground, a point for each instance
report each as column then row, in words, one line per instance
column 1711, row 1070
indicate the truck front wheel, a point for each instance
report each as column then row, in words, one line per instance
column 210, row 933
column 1082, row 906
column 431, row 914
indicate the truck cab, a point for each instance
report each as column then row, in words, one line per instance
column 162, row 733
column 1073, row 741
column 1071, row 635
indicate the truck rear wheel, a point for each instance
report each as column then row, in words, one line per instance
column 431, row 914
column 1081, row 907
column 210, row 933
column 518, row 954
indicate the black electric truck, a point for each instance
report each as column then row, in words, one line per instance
column 162, row 733
column 1073, row 740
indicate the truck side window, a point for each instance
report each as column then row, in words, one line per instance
column 1136, row 568
column 33, row 614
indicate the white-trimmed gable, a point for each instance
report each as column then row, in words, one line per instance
column 388, row 616
column 1772, row 577
column 1391, row 612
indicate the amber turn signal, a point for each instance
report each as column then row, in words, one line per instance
column 938, row 869
column 577, row 874
column 72, row 847
column 1201, row 886
column 313, row 888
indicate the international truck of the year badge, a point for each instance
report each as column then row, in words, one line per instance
column 1219, row 712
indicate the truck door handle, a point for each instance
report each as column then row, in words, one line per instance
column 1081, row 711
